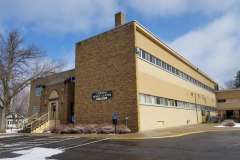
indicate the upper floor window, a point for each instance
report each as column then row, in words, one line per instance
column 221, row 100
column 164, row 65
column 158, row 63
column 169, row 68
column 38, row 90
column 145, row 55
column 152, row 59
column 143, row 98
column 72, row 79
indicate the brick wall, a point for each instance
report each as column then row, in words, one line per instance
column 66, row 97
column 107, row 62
column 35, row 101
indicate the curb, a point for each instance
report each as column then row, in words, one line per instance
column 171, row 136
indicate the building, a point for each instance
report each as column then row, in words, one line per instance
column 228, row 103
column 128, row 71
column 14, row 121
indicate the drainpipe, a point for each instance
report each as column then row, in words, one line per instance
column 196, row 107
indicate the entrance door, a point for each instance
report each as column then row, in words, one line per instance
column 54, row 109
column 229, row 113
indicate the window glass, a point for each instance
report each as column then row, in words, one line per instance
column 177, row 72
column 35, row 109
column 140, row 53
column 158, row 63
column 164, row 65
column 38, row 90
column 221, row 100
column 174, row 70
column 152, row 59
column 146, row 56
column 179, row 103
column 169, row 68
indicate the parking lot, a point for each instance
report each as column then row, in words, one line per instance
column 209, row 145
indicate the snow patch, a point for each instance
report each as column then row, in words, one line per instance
column 9, row 131
column 36, row 153
column 236, row 125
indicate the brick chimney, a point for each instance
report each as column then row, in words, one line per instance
column 119, row 19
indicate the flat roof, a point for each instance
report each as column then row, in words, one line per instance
column 229, row 90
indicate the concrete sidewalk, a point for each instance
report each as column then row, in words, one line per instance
column 156, row 133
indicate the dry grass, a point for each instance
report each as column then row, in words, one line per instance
column 89, row 129
column 228, row 122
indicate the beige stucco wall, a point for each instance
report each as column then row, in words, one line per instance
column 151, row 115
column 232, row 99
column 158, row 82
column 150, row 44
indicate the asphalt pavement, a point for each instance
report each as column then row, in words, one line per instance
column 172, row 143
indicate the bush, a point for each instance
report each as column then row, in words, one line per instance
column 88, row 129
column 228, row 122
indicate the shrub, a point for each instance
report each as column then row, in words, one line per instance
column 228, row 122
column 89, row 129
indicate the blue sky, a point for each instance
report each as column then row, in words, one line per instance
column 205, row 32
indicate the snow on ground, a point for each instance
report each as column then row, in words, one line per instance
column 12, row 131
column 236, row 125
column 44, row 132
column 36, row 153
column 9, row 131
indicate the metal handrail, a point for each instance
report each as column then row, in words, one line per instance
column 48, row 116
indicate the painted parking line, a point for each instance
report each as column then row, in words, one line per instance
column 87, row 143
column 35, row 145
column 171, row 136
column 14, row 139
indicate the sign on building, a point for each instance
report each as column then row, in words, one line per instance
column 102, row 95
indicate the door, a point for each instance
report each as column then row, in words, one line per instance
column 229, row 113
column 54, row 110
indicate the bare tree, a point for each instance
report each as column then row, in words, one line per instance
column 19, row 66
column 229, row 85
column 19, row 105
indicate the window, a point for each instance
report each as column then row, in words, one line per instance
column 169, row 102
column 35, row 109
column 38, row 90
column 221, row 100
column 177, row 72
column 140, row 53
column 157, row 100
column 152, row 59
column 185, row 105
column 72, row 107
column 169, row 68
column 72, row 79
column 179, row 103
column 145, row 55
column 158, row 63
column 144, row 98
column 164, row 65
column 173, row 70
column 196, row 82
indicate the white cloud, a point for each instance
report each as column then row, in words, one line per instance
column 214, row 48
column 70, row 58
column 152, row 8
column 59, row 16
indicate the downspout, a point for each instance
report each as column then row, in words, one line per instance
column 196, row 107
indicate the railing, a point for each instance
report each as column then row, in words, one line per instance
column 27, row 121
column 41, row 120
column 32, row 118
